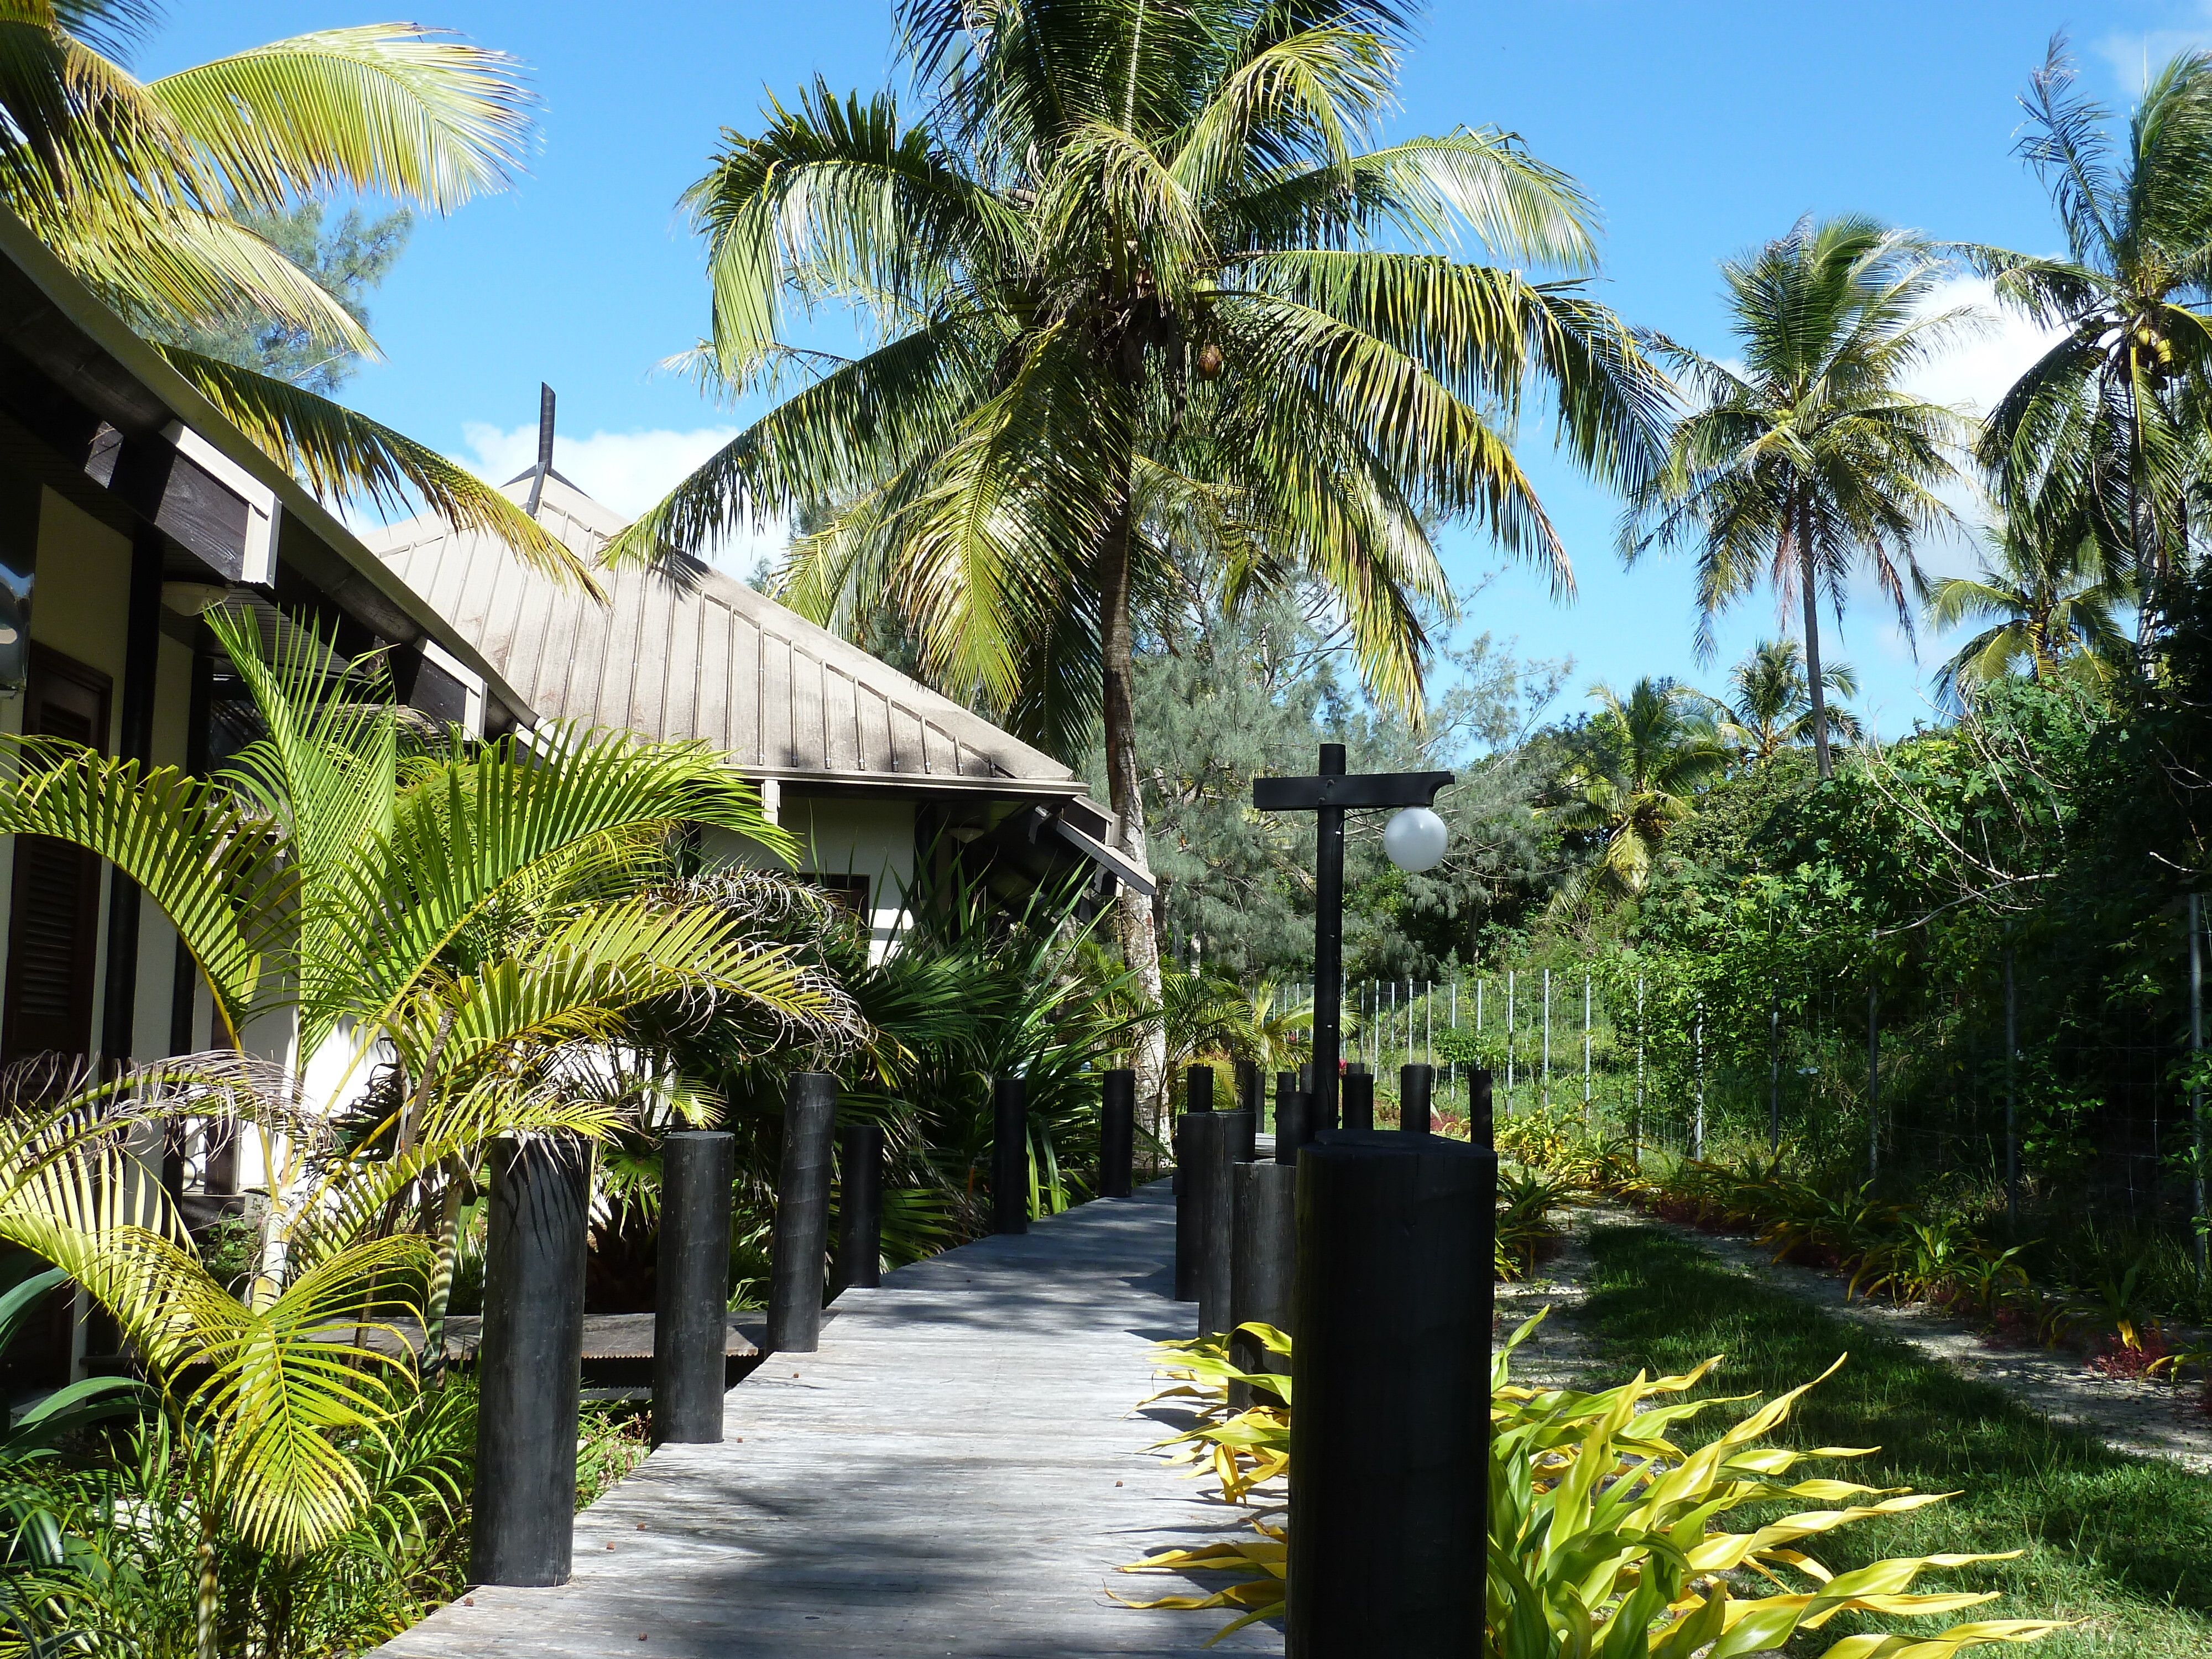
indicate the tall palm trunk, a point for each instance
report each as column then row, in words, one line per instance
column 1140, row 945
column 1820, row 692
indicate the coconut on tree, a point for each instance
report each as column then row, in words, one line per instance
column 1141, row 282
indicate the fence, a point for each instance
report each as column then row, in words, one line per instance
column 2075, row 1127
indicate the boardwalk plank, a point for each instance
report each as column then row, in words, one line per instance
column 959, row 1472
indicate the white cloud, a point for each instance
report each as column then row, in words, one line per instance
column 627, row 472
column 2136, row 57
column 1976, row 370
column 1980, row 365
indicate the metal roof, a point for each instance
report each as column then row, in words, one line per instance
column 686, row 651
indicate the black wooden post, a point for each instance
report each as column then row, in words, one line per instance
column 860, row 1206
column 1209, row 1172
column 1198, row 1097
column 1389, row 1468
column 1417, row 1088
column 802, row 1215
column 1262, row 1265
column 691, row 1269
column 1010, row 1155
column 1250, row 1094
column 1482, row 1127
column 530, row 1368
column 1293, row 1117
column 1359, row 1101
column 1243, row 1135
column 1117, row 1133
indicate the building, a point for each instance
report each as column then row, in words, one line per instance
column 129, row 507
column 869, row 768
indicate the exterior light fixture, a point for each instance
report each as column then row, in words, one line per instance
column 1414, row 839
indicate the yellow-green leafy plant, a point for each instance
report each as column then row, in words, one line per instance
column 463, row 942
column 1607, row 1539
column 1242, row 1449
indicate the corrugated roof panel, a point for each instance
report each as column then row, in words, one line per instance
column 840, row 722
column 679, row 677
column 872, row 719
column 711, row 682
column 744, row 682
column 702, row 656
column 940, row 755
column 776, row 692
column 656, row 620
column 809, row 733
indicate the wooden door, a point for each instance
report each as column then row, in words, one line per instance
column 53, row 927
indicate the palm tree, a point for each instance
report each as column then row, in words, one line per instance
column 2110, row 422
column 1808, row 459
column 1656, row 749
column 471, row 943
column 2051, row 601
column 1771, row 706
column 144, row 190
column 1124, row 289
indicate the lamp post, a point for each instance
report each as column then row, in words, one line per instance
column 1414, row 840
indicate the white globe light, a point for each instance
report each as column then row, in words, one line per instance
column 1415, row 838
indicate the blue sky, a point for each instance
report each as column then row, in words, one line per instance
column 1700, row 130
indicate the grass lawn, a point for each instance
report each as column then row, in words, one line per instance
column 2123, row 1543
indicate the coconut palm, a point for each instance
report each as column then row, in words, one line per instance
column 2111, row 421
column 1770, row 708
column 143, row 189
column 1654, row 749
column 1126, row 298
column 467, row 942
column 2051, row 601
column 1808, row 461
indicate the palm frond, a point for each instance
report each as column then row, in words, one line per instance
column 345, row 456
column 393, row 109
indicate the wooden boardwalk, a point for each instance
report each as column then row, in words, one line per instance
column 957, row 1472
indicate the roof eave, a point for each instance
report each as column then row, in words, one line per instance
column 84, row 310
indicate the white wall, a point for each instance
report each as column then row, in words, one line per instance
column 842, row 835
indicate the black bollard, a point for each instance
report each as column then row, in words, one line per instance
column 1481, row 1128
column 1417, row 1087
column 1305, row 1077
column 1010, row 1156
column 859, row 1207
column 1359, row 1093
column 1198, row 1088
column 1293, row 1120
column 1389, row 1468
column 530, row 1364
column 1261, row 1265
column 1249, row 1096
column 1117, row 1133
column 1243, row 1135
column 1198, row 1097
column 802, row 1215
column 1209, row 1174
column 691, row 1270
